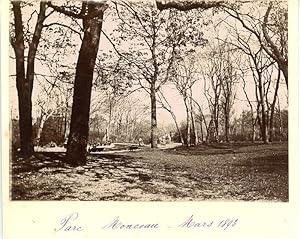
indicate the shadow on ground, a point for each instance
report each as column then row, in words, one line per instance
column 215, row 172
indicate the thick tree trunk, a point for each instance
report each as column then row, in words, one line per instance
column 25, row 118
column 153, row 117
column 79, row 129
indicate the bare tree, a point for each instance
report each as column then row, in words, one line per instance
column 184, row 77
column 156, row 37
column 250, row 103
column 212, row 74
column 271, row 29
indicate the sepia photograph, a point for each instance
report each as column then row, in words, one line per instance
column 160, row 100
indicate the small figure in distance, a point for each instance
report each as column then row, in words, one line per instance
column 140, row 141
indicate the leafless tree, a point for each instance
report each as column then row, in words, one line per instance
column 184, row 76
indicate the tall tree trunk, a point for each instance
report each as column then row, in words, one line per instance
column 196, row 140
column 264, row 123
column 253, row 122
column 188, row 125
column 40, row 129
column 79, row 129
column 280, row 121
column 153, row 117
column 216, row 119
column 271, row 133
column 177, row 127
column 227, row 126
column 25, row 83
column 201, row 130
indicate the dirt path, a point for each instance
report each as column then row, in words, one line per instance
column 243, row 173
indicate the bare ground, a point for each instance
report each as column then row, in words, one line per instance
column 217, row 172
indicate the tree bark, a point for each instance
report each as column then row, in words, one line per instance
column 153, row 117
column 79, row 128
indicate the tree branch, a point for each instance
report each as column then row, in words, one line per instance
column 187, row 5
column 63, row 25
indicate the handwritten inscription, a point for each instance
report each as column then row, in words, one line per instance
column 118, row 224
column 68, row 223
column 223, row 224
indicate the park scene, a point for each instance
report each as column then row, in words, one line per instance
column 161, row 100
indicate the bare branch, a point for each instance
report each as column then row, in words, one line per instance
column 187, row 5
column 63, row 25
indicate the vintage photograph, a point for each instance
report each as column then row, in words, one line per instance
column 158, row 100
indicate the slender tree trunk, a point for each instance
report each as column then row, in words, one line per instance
column 263, row 120
column 226, row 126
column 193, row 120
column 153, row 117
column 253, row 129
column 177, row 127
column 65, row 135
column 271, row 133
column 216, row 119
column 25, row 83
column 201, row 130
column 79, row 129
column 188, row 125
column 168, row 108
column 40, row 129
column 280, row 121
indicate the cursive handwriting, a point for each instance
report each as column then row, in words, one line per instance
column 190, row 223
column 70, row 223
column 223, row 224
column 67, row 223
column 116, row 223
